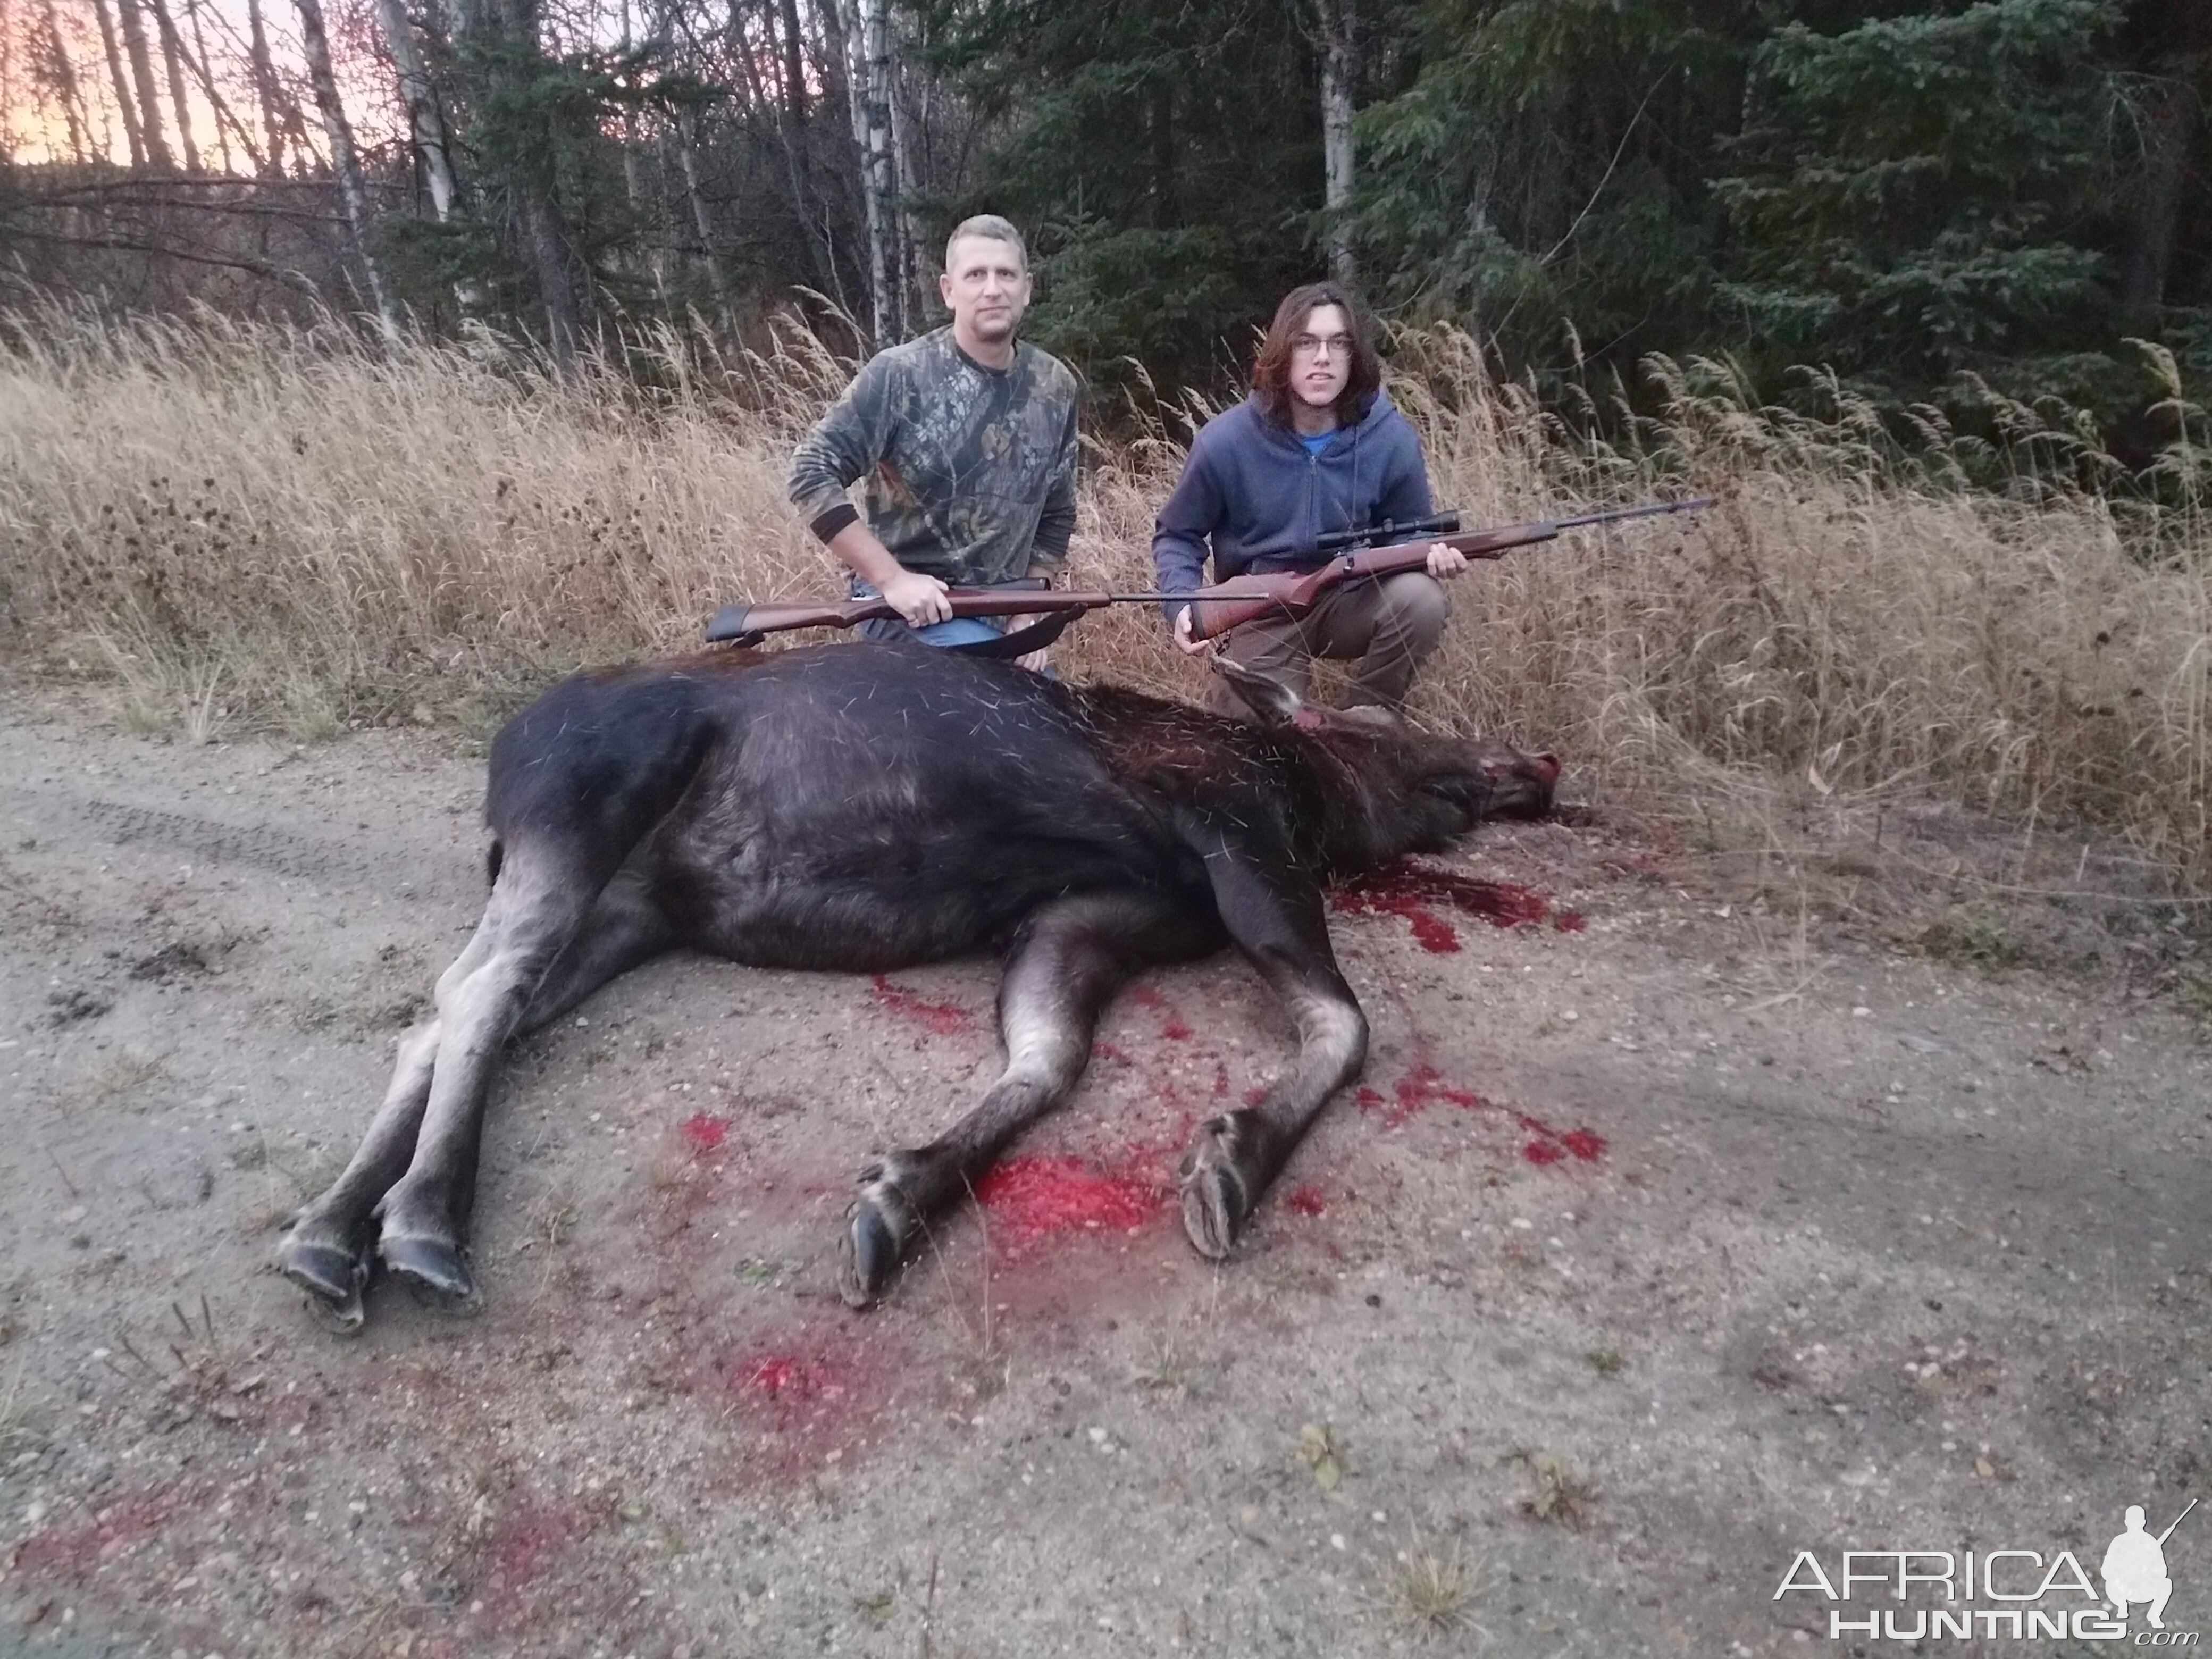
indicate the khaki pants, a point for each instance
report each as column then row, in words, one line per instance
column 1389, row 626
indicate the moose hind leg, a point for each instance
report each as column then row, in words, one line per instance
column 538, row 911
column 1234, row 1159
column 1065, row 966
column 329, row 1249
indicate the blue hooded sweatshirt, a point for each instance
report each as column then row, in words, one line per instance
column 1252, row 492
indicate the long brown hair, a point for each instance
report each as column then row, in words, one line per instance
column 1270, row 370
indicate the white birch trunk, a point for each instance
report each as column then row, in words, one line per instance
column 867, row 66
column 883, row 192
column 687, row 153
column 1337, row 70
column 426, row 123
column 345, row 160
column 123, row 102
column 172, row 51
column 142, row 77
column 916, row 264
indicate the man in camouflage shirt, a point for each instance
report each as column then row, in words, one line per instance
column 967, row 439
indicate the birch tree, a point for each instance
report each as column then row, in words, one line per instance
column 63, row 75
column 426, row 120
column 125, row 103
column 265, row 91
column 142, row 77
column 866, row 40
column 172, row 57
column 1331, row 26
column 345, row 161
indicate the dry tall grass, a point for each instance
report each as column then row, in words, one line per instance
column 246, row 525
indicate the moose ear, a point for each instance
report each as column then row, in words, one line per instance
column 1273, row 703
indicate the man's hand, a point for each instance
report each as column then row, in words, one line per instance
column 919, row 599
column 1184, row 643
column 1445, row 559
column 1036, row 661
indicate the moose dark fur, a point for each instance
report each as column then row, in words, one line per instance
column 867, row 807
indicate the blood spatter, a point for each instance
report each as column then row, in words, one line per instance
column 940, row 1019
column 1585, row 1144
column 1119, row 1056
column 1173, row 1027
column 1422, row 1085
column 789, row 1379
column 1033, row 1199
column 816, row 1392
column 1305, row 1200
column 529, row 1538
column 1411, row 890
column 118, row 1529
column 704, row 1132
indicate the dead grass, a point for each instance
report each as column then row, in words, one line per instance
column 1430, row 1589
column 241, row 526
column 15, row 1431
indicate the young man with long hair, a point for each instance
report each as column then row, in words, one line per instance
column 1315, row 447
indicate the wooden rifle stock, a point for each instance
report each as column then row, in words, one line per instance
column 1241, row 599
column 1214, row 611
column 744, row 624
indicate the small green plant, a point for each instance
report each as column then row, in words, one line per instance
column 1167, row 1371
column 1606, row 1362
column 1322, row 1449
column 1561, row 1496
column 1971, row 940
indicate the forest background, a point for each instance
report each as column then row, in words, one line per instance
column 1933, row 202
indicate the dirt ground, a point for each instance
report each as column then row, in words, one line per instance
column 1680, row 1226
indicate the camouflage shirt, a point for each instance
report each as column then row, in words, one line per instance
column 970, row 471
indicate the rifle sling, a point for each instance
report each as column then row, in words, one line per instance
column 1022, row 641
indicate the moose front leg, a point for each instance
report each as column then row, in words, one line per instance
column 1065, row 965
column 1276, row 919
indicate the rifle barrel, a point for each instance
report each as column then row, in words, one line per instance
column 2178, row 1520
column 1651, row 510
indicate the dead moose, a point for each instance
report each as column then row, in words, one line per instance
column 867, row 807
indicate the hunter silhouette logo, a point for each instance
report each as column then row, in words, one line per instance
column 2135, row 1567
column 2017, row 1594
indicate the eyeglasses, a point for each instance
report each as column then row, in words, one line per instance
column 1313, row 345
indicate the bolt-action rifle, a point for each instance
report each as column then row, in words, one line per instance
column 1352, row 556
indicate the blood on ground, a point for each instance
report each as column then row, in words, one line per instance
column 1032, row 1199
column 1423, row 1086
column 1409, row 889
column 704, row 1133
column 939, row 1018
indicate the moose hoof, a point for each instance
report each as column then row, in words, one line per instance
column 869, row 1255
column 435, row 1268
column 1215, row 1201
column 877, row 1228
column 332, row 1276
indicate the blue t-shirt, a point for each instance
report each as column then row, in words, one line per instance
column 1315, row 441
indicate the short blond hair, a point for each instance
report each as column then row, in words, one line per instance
column 990, row 227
